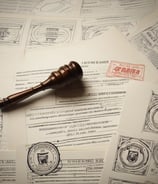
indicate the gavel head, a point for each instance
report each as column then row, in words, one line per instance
column 65, row 75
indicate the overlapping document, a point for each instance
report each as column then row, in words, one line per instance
column 133, row 156
column 72, row 126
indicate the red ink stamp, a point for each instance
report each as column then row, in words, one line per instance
column 126, row 70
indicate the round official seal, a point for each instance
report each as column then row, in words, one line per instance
column 43, row 158
column 134, row 154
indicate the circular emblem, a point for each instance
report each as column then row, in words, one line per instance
column 153, row 118
column 134, row 155
column 43, row 158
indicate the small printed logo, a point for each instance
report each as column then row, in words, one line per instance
column 43, row 158
column 126, row 70
column 132, row 156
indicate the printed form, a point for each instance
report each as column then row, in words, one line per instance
column 85, row 113
column 65, row 120
column 36, row 24
column 90, row 109
column 52, row 123
column 133, row 156
column 145, row 38
column 8, row 167
column 74, row 166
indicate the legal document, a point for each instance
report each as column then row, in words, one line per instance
column 8, row 167
column 73, row 166
column 86, row 113
column 64, row 134
column 145, row 38
column 38, row 6
column 80, row 117
column 48, row 23
column 133, row 154
column 108, row 7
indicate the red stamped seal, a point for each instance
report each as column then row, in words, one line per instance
column 43, row 158
column 126, row 70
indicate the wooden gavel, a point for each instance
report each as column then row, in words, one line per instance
column 65, row 75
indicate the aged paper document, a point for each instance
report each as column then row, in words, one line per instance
column 83, row 115
column 74, row 166
column 145, row 38
column 8, row 167
column 98, row 99
column 133, row 154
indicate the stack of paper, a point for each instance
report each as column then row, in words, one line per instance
column 100, row 130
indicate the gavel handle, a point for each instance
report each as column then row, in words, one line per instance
column 17, row 97
column 65, row 75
